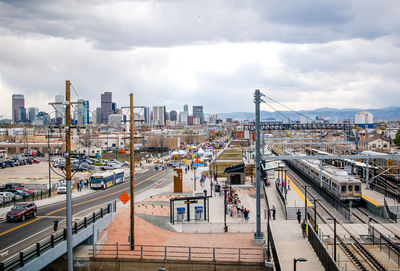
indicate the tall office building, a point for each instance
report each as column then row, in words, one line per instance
column 32, row 112
column 159, row 115
column 183, row 119
column 98, row 115
column 173, row 115
column 106, row 106
column 198, row 113
column 60, row 109
column 114, row 108
column 82, row 111
column 186, row 108
column 18, row 107
column 146, row 113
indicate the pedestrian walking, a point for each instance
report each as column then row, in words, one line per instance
column 273, row 211
column 205, row 192
column 298, row 215
column 304, row 228
column 55, row 225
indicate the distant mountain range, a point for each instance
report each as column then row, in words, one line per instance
column 333, row 114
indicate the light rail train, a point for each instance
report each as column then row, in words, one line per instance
column 334, row 180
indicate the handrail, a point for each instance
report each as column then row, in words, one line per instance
column 210, row 254
column 271, row 242
column 37, row 249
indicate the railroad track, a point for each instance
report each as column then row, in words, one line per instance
column 362, row 251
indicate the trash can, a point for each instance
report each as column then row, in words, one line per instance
column 181, row 214
column 198, row 212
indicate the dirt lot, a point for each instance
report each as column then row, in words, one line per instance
column 35, row 174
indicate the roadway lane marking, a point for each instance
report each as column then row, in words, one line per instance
column 104, row 196
column 22, row 225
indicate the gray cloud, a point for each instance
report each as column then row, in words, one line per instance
column 121, row 25
column 307, row 54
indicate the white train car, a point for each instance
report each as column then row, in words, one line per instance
column 334, row 180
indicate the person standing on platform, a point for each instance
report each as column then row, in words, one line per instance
column 298, row 215
column 273, row 211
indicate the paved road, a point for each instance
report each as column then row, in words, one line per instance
column 17, row 236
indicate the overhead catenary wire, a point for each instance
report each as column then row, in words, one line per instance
column 275, row 101
column 277, row 111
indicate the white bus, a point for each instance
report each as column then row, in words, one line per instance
column 103, row 180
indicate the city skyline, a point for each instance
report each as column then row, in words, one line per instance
column 306, row 55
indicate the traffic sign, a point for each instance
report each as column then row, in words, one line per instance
column 124, row 198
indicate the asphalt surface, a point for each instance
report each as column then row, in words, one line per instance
column 17, row 236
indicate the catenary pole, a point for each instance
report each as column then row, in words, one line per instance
column 68, row 173
column 257, row 100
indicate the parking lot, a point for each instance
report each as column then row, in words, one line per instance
column 35, row 174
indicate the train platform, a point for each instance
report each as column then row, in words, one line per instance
column 372, row 196
column 287, row 234
column 374, row 201
column 293, row 195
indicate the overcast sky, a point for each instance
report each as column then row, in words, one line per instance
column 305, row 54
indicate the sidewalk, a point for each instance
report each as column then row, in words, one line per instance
column 288, row 239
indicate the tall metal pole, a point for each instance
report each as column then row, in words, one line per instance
column 48, row 152
column 334, row 239
column 132, row 172
column 367, row 173
column 68, row 173
column 257, row 99
column 263, row 144
column 305, row 202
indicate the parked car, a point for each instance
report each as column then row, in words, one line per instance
column 29, row 161
column 86, row 166
column 39, row 154
column 35, row 160
column 25, row 190
column 7, row 196
column 62, row 188
column 21, row 161
column 13, row 185
column 98, row 163
column 3, row 165
column 10, row 163
column 19, row 192
column 76, row 167
column 21, row 211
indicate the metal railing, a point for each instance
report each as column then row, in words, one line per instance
column 31, row 197
column 283, row 199
column 218, row 227
column 322, row 253
column 271, row 243
column 183, row 253
column 385, row 244
column 392, row 215
column 21, row 258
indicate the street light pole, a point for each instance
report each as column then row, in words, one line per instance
column 298, row 260
column 305, row 202
column 48, row 152
column 225, row 210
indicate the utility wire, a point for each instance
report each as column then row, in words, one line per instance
column 277, row 111
column 289, row 108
